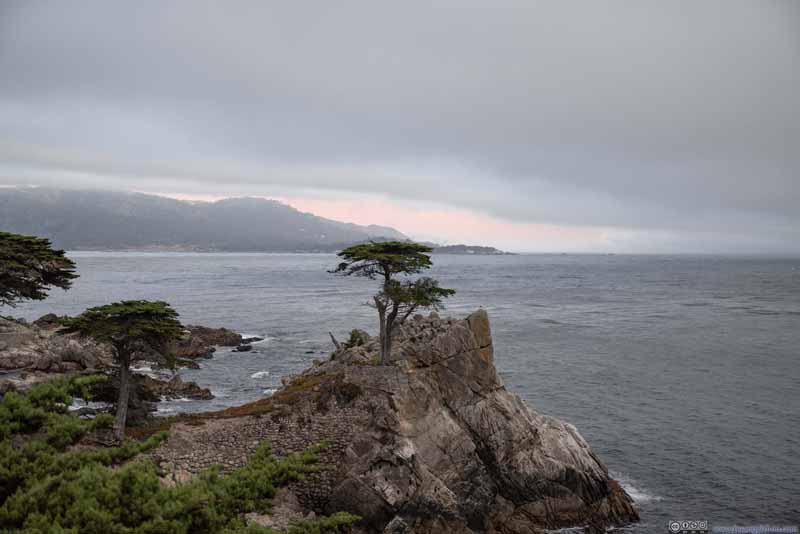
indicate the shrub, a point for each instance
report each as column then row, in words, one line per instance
column 47, row 487
column 356, row 339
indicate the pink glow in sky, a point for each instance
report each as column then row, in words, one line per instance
column 448, row 225
column 452, row 226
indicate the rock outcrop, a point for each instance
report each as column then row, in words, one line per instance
column 175, row 388
column 201, row 342
column 31, row 353
column 37, row 348
column 432, row 443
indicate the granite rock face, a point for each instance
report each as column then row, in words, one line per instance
column 431, row 443
column 448, row 448
column 38, row 348
column 175, row 388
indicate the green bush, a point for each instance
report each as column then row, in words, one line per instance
column 48, row 487
column 356, row 339
column 46, row 403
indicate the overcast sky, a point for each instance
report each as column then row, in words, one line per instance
column 620, row 126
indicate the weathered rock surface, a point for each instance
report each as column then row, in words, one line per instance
column 35, row 353
column 202, row 341
column 175, row 388
column 48, row 321
column 39, row 346
column 34, row 348
column 432, row 443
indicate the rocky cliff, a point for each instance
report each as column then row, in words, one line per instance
column 432, row 443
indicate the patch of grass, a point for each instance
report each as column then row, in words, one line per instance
column 259, row 407
column 324, row 388
column 299, row 387
column 163, row 424
column 289, row 395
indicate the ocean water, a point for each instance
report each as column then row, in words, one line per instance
column 681, row 372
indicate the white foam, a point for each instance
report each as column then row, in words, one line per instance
column 264, row 338
column 635, row 490
column 77, row 404
column 269, row 391
column 260, row 374
column 146, row 368
column 178, row 399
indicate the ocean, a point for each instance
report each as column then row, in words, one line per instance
column 680, row 371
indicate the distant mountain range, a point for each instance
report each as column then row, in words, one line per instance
column 105, row 220
column 101, row 220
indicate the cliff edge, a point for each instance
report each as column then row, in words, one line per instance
column 432, row 443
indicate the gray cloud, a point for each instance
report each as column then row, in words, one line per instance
column 671, row 116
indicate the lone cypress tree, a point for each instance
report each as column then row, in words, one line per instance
column 29, row 267
column 397, row 298
column 134, row 329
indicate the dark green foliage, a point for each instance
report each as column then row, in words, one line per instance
column 45, row 487
column 134, row 329
column 45, row 403
column 356, row 339
column 384, row 259
column 423, row 292
column 397, row 299
column 132, row 325
column 29, row 267
column 41, row 417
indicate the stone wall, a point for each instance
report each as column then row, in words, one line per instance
column 230, row 442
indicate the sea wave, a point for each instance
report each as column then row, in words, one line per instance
column 635, row 490
column 260, row 374
column 177, row 399
column 77, row 404
column 263, row 338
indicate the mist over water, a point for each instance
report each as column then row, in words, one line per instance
column 681, row 372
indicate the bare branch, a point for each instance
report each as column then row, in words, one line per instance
column 338, row 345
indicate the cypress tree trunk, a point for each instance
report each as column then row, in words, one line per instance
column 387, row 344
column 386, row 351
column 382, row 319
column 124, row 394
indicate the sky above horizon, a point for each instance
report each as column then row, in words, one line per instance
column 615, row 126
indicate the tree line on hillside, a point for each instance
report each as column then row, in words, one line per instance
column 103, row 220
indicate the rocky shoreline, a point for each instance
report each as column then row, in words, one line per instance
column 431, row 443
column 32, row 353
